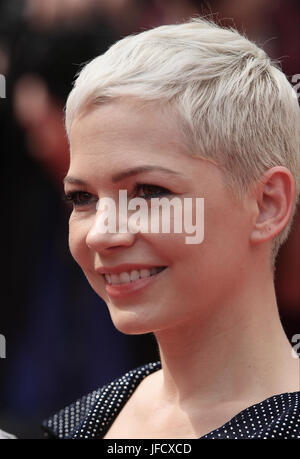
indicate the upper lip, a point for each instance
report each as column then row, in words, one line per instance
column 124, row 268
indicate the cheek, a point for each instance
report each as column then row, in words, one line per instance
column 77, row 242
column 226, row 232
column 220, row 259
column 169, row 247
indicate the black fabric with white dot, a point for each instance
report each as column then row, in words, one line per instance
column 92, row 415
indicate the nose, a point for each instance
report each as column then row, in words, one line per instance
column 107, row 231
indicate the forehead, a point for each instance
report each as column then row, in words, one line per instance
column 116, row 136
column 127, row 122
column 122, row 134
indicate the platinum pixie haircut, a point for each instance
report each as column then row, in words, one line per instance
column 236, row 106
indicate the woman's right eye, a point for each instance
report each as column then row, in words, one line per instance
column 79, row 198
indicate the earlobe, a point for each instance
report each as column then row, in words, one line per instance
column 262, row 234
column 274, row 203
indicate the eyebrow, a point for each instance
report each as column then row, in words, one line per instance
column 124, row 174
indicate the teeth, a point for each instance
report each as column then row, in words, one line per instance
column 144, row 273
column 108, row 278
column 131, row 276
column 124, row 278
column 134, row 275
column 114, row 278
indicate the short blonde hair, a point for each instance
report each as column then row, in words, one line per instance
column 236, row 105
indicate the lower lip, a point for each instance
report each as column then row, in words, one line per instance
column 123, row 290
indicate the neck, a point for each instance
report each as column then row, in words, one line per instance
column 239, row 353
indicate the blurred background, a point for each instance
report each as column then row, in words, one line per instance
column 60, row 342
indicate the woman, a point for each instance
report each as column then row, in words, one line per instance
column 187, row 111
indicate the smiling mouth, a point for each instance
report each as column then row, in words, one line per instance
column 132, row 276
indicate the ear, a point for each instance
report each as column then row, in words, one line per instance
column 274, row 197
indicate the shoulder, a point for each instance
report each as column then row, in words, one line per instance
column 277, row 417
column 91, row 415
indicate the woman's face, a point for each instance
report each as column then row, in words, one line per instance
column 199, row 278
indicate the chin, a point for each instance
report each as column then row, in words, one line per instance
column 130, row 323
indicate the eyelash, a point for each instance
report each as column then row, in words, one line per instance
column 163, row 191
column 73, row 196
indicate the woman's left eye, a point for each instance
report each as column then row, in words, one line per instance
column 78, row 198
column 83, row 198
column 151, row 191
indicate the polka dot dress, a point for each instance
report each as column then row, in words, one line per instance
column 91, row 416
